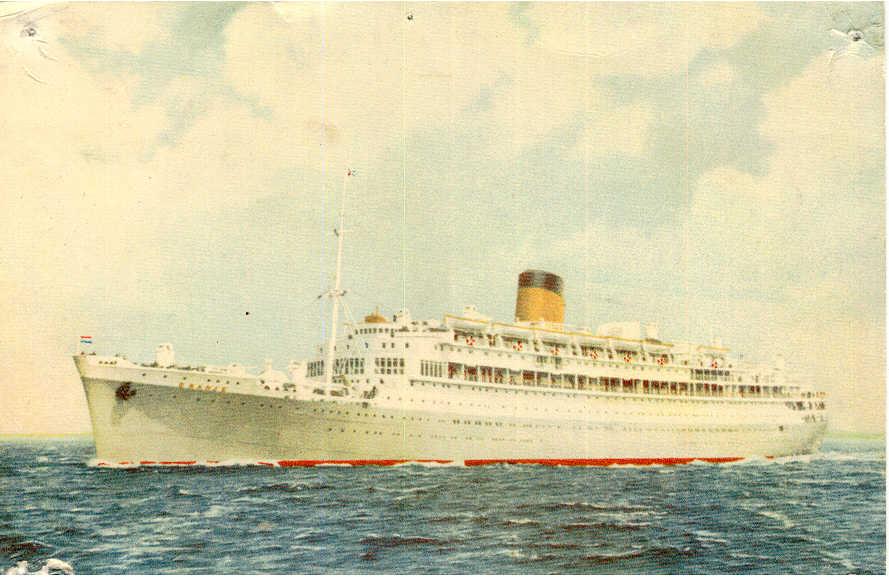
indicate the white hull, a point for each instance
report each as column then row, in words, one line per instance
column 168, row 422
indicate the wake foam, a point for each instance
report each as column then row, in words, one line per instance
column 51, row 567
column 431, row 464
column 654, row 463
column 103, row 464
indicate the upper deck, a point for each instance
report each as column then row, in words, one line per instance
column 472, row 348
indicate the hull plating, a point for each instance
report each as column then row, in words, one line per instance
column 166, row 425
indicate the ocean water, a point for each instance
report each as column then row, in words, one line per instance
column 819, row 514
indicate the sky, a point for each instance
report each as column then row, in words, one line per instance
column 168, row 168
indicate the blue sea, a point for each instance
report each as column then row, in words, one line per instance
column 819, row 514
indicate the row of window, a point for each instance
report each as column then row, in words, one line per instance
column 542, row 359
column 500, row 375
column 589, row 426
column 665, row 404
column 557, row 348
column 610, row 426
column 723, row 375
column 388, row 366
column 431, row 369
column 375, row 331
column 353, row 366
column 801, row 405
column 315, row 369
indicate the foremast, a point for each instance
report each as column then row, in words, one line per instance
column 336, row 292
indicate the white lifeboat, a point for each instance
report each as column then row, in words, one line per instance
column 470, row 319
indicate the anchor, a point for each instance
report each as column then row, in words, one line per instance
column 124, row 392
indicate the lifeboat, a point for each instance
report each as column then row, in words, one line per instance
column 470, row 320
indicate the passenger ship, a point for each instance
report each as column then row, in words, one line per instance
column 464, row 390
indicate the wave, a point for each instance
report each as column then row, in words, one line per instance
column 432, row 464
column 419, row 490
column 604, row 558
column 709, row 537
column 396, row 540
column 284, row 488
column 555, row 545
column 447, row 519
column 776, row 516
column 656, row 553
column 176, row 491
column 604, row 526
column 523, row 557
column 512, row 522
column 584, row 506
column 846, row 563
column 17, row 546
column 739, row 555
column 51, row 567
column 825, row 456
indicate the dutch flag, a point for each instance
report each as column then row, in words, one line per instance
column 86, row 340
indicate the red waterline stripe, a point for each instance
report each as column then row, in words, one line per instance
column 353, row 463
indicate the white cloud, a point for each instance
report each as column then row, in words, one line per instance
column 790, row 261
column 624, row 130
column 128, row 26
column 366, row 71
column 812, row 228
column 89, row 200
column 826, row 132
column 719, row 73
column 649, row 39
